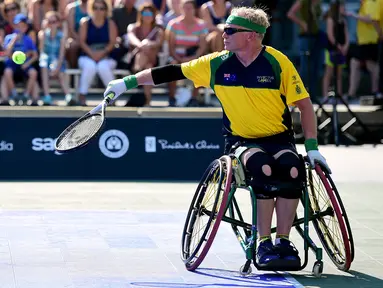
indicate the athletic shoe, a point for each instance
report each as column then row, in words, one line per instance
column 287, row 251
column 266, row 252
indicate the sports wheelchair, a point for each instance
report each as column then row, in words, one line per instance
column 215, row 201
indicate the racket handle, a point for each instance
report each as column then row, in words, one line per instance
column 108, row 98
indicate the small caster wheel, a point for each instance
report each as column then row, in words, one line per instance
column 318, row 269
column 244, row 272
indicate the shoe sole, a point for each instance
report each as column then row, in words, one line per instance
column 280, row 265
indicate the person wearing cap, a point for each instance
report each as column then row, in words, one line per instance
column 255, row 84
column 19, row 41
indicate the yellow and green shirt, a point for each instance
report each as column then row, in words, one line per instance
column 255, row 98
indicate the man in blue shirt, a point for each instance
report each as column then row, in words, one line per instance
column 19, row 41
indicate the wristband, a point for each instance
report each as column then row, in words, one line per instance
column 311, row 144
column 130, row 82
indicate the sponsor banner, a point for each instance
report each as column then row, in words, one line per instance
column 127, row 149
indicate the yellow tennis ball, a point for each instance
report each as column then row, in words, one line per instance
column 19, row 57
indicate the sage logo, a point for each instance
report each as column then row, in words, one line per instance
column 114, row 143
column 44, row 144
column 4, row 146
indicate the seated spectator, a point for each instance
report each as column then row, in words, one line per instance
column 98, row 34
column 38, row 10
column 52, row 53
column 215, row 13
column 9, row 9
column 186, row 36
column 147, row 37
column 19, row 41
column 74, row 13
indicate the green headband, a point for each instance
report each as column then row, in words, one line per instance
column 240, row 21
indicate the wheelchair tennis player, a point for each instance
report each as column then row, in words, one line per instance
column 255, row 84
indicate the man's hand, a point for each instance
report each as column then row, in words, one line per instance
column 117, row 87
column 314, row 155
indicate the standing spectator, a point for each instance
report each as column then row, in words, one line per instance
column 186, row 36
column 307, row 17
column 19, row 41
column 74, row 13
column 215, row 13
column 52, row 54
column 368, row 32
column 98, row 34
column 338, row 43
column 148, row 46
column 38, row 10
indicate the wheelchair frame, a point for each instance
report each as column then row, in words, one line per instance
column 231, row 167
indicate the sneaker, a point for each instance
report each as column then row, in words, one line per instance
column 172, row 102
column 266, row 253
column 47, row 100
column 287, row 251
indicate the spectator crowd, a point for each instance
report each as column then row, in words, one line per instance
column 99, row 36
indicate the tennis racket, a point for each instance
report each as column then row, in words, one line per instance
column 83, row 130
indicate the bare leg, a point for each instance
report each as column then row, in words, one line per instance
column 373, row 68
column 265, row 207
column 45, row 80
column 32, row 80
column 326, row 81
column 340, row 82
column 286, row 208
column 354, row 77
column 63, row 83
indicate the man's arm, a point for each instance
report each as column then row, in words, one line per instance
column 159, row 75
column 308, row 118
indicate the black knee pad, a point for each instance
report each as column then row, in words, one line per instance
column 283, row 166
column 259, row 179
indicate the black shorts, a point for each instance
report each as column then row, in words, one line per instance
column 368, row 52
column 271, row 144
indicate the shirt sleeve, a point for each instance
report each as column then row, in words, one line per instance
column 198, row 70
column 7, row 40
column 373, row 9
column 291, row 84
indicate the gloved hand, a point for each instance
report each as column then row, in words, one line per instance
column 314, row 155
column 119, row 86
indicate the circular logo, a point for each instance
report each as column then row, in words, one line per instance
column 114, row 143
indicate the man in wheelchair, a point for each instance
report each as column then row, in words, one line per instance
column 255, row 84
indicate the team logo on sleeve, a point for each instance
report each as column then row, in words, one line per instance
column 298, row 89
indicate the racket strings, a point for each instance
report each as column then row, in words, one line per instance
column 80, row 133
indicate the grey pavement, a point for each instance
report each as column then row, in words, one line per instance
column 125, row 234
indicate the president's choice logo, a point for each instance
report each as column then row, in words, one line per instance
column 113, row 143
column 5, row 146
column 163, row 144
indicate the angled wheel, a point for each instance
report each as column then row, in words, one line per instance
column 332, row 225
column 205, row 212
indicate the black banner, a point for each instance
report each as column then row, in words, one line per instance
column 127, row 149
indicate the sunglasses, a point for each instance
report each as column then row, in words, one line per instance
column 231, row 31
column 147, row 13
column 53, row 21
column 9, row 9
column 99, row 8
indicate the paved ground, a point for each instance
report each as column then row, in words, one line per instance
column 128, row 234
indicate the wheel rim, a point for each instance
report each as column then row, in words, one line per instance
column 198, row 232
column 331, row 228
